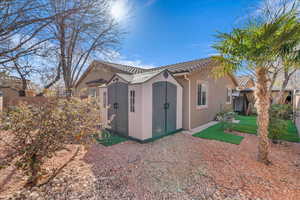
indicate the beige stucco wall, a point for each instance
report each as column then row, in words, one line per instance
column 185, row 101
column 216, row 97
column 296, row 102
column 98, row 71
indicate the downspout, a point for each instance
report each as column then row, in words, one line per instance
column 189, row 101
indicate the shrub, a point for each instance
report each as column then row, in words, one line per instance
column 282, row 111
column 40, row 130
column 277, row 128
column 278, row 125
column 226, row 118
column 225, row 114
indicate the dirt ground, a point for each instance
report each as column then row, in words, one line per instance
column 175, row 167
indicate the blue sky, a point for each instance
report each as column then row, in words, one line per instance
column 162, row 32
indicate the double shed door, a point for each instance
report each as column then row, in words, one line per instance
column 164, row 110
column 118, row 101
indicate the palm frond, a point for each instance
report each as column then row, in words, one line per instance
column 225, row 66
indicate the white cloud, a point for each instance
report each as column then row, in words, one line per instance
column 150, row 2
column 213, row 54
column 120, row 10
column 116, row 57
column 135, row 63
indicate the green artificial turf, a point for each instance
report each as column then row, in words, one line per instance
column 248, row 125
column 292, row 133
column 109, row 139
column 216, row 132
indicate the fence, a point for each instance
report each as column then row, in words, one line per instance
column 29, row 100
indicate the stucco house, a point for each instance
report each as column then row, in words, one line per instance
column 97, row 74
column 149, row 103
column 10, row 87
column 245, row 100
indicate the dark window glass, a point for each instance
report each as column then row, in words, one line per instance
column 201, row 94
column 132, row 101
column 104, row 99
column 203, row 98
column 228, row 95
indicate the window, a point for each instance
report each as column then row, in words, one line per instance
column 104, row 99
column 92, row 92
column 201, row 94
column 132, row 101
column 229, row 94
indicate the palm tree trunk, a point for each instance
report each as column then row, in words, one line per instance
column 262, row 104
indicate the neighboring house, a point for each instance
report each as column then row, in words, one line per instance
column 244, row 101
column 243, row 97
column 292, row 87
column 149, row 103
column 97, row 74
column 245, row 82
column 10, row 87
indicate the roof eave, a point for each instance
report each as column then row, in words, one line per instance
column 181, row 73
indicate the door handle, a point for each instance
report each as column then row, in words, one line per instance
column 166, row 106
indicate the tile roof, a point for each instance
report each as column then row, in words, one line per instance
column 188, row 66
column 98, row 81
column 243, row 81
column 125, row 68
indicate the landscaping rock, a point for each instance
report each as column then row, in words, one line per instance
column 178, row 167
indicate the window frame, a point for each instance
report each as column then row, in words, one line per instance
column 104, row 96
column 132, row 96
column 92, row 90
column 228, row 94
column 205, row 84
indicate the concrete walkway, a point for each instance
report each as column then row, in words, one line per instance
column 200, row 128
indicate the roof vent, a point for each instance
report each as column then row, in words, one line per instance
column 166, row 74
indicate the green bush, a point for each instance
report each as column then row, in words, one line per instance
column 278, row 126
column 281, row 111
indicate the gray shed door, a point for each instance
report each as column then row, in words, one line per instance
column 118, row 101
column 164, row 108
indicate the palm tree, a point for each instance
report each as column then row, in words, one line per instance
column 256, row 48
column 289, row 60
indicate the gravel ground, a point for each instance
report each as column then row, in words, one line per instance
column 175, row 167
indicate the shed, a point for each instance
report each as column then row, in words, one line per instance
column 143, row 106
